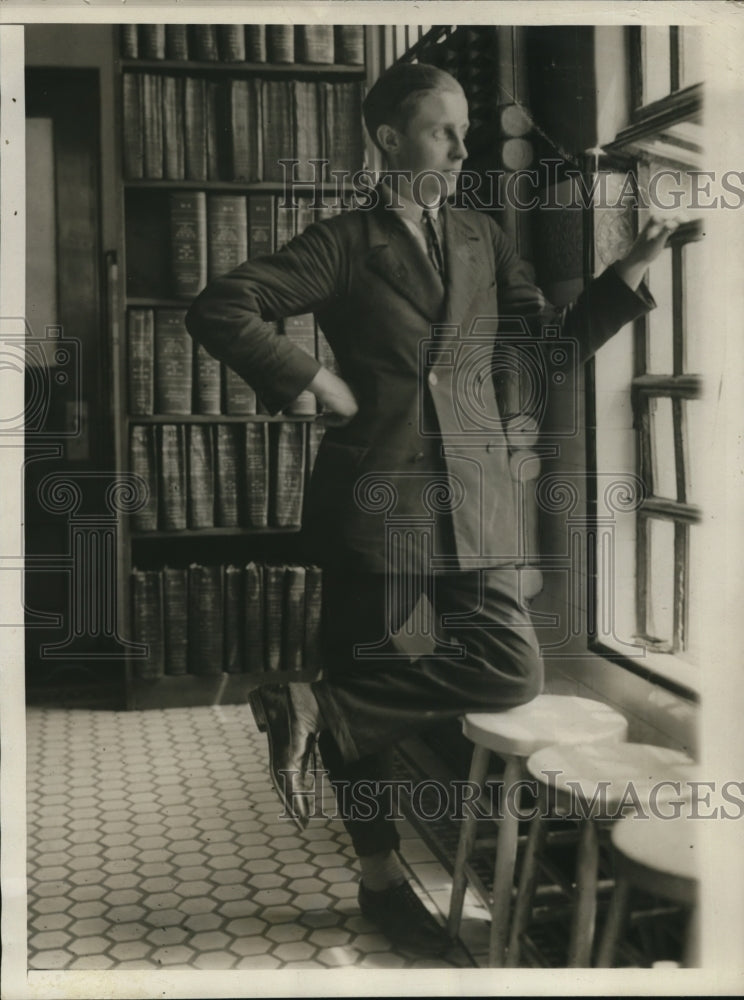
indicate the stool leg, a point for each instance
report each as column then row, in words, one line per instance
column 526, row 891
column 503, row 877
column 478, row 770
column 582, row 928
column 691, row 957
column 614, row 923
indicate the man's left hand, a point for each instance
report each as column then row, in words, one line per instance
column 647, row 246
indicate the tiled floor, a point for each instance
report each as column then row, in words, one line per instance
column 154, row 841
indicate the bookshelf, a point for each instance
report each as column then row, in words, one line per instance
column 177, row 413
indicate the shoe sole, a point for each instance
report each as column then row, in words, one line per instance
column 259, row 714
column 432, row 952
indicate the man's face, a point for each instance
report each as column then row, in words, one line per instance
column 433, row 139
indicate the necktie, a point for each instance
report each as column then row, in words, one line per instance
column 433, row 244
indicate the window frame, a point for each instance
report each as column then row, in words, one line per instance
column 650, row 134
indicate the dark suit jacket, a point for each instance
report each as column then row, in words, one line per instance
column 426, row 456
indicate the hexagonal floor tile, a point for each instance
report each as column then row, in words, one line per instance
column 173, row 955
column 339, row 957
column 214, row 960
column 286, row 933
column 303, row 886
column 329, row 937
column 259, row 962
column 130, row 949
column 90, row 945
column 293, row 951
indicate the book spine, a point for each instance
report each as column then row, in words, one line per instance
column 226, row 501
column 152, row 116
column 255, row 42
column 240, row 398
column 349, row 44
column 205, row 42
column 201, row 477
column 151, row 41
column 214, row 129
column 234, row 626
column 315, row 432
column 143, row 463
column 314, row 43
column 286, row 224
column 305, row 214
column 343, row 120
column 147, row 621
column 280, row 43
column 306, row 127
column 188, row 241
column 293, row 625
column 208, row 376
column 274, row 616
column 288, row 479
column 227, row 233
column 195, row 126
column 278, row 136
column 176, row 41
column 261, row 231
column 173, row 362
column 300, row 330
column 134, row 148
column 176, row 617
column 231, row 42
column 141, row 351
column 256, row 469
column 128, row 39
column 173, row 142
column 253, row 616
column 244, row 116
column 172, row 478
column 313, row 610
column 206, row 620
column 327, row 211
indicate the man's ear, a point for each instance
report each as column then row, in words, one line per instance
column 387, row 138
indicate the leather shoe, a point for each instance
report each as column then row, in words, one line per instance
column 403, row 918
column 291, row 750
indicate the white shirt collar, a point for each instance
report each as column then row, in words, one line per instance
column 407, row 207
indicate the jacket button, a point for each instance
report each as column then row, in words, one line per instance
column 433, row 378
column 418, row 457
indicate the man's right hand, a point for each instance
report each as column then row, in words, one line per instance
column 337, row 401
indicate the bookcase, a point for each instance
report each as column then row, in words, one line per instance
column 211, row 589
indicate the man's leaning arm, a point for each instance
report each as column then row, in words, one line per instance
column 233, row 317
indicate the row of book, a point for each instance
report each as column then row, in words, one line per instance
column 471, row 55
column 238, row 129
column 210, row 620
column 238, row 475
column 169, row 374
column 211, row 235
column 253, row 43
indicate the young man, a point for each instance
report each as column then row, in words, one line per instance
column 402, row 486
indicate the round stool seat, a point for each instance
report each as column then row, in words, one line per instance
column 661, row 855
column 547, row 719
column 611, row 777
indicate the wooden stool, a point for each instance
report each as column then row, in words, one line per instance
column 595, row 782
column 514, row 735
column 659, row 856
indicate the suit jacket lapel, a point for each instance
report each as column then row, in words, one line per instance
column 394, row 255
column 465, row 259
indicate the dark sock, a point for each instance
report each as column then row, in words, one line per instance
column 381, row 871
